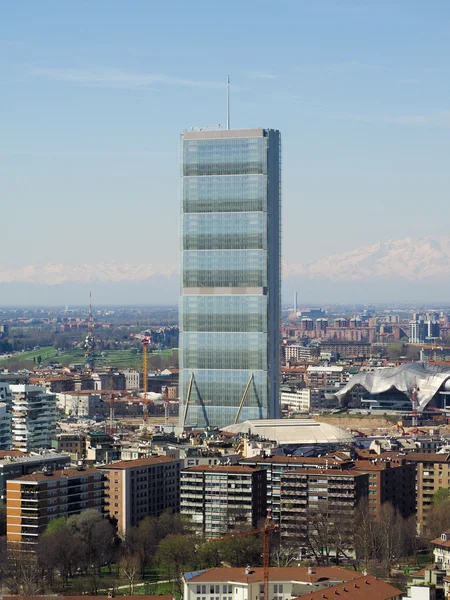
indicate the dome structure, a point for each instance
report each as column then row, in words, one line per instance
column 293, row 431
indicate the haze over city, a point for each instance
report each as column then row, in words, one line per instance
column 93, row 100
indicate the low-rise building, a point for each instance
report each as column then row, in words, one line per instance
column 217, row 498
column 140, row 488
column 246, row 583
column 71, row 443
column 34, row 500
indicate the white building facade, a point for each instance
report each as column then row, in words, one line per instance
column 33, row 417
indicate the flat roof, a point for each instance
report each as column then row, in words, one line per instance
column 60, row 474
column 222, row 469
column 205, row 134
column 139, row 462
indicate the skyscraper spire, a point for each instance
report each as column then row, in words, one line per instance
column 228, row 102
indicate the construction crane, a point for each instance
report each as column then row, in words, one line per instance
column 268, row 528
column 165, row 391
column 111, row 413
column 145, row 342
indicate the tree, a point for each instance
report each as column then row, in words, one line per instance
column 176, row 553
column 438, row 518
column 129, row 566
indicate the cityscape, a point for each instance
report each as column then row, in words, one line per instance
column 224, row 348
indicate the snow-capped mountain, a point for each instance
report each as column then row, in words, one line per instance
column 410, row 259
column 406, row 270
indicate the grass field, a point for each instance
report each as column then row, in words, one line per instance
column 121, row 359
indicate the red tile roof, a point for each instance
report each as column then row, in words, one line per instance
column 297, row 574
column 366, row 587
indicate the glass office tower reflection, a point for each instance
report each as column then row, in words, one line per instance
column 230, row 276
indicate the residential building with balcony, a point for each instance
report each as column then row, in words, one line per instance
column 276, row 466
column 33, row 417
column 5, row 427
column 15, row 464
column 392, row 482
column 217, row 498
column 310, row 496
column 141, row 488
column 34, row 500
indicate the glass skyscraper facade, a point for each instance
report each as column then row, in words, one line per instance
column 230, row 276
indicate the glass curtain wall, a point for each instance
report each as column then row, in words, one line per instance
column 230, row 296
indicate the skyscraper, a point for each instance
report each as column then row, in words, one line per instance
column 230, row 281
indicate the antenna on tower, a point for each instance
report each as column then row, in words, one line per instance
column 90, row 339
column 228, row 102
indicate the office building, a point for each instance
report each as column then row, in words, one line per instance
column 230, row 283
column 34, row 500
column 141, row 488
column 33, row 417
column 215, row 499
column 417, row 330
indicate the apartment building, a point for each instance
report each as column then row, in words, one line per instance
column 390, row 481
column 324, row 376
column 33, row 417
column 72, row 443
column 133, row 380
column 14, row 464
column 5, row 427
column 143, row 487
column 433, row 473
column 216, row 498
column 34, row 500
column 306, row 493
column 275, row 466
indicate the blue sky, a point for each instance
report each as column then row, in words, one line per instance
column 94, row 95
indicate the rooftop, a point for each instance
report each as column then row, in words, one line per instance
column 139, row 462
column 61, row 474
column 12, row 458
column 298, row 460
column 361, row 588
column 298, row 574
column 293, row 431
column 333, row 472
column 221, row 469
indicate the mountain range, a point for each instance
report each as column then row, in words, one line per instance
column 403, row 270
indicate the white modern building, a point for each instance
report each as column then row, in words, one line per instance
column 33, row 417
column 298, row 401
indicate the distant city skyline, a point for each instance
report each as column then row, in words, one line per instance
column 93, row 97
